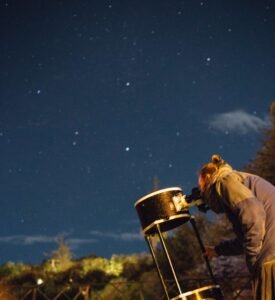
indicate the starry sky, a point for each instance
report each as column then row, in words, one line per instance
column 99, row 98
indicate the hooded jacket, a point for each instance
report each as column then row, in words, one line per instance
column 249, row 203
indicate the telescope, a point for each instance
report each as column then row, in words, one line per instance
column 167, row 209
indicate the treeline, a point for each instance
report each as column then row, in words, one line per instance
column 55, row 275
column 130, row 275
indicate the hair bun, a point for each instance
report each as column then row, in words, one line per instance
column 216, row 159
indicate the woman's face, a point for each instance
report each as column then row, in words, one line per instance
column 203, row 181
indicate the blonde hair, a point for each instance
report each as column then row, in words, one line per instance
column 212, row 167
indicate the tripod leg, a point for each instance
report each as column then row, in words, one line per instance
column 147, row 238
column 192, row 220
column 168, row 258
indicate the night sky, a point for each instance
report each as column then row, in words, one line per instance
column 99, row 97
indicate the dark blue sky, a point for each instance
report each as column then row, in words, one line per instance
column 99, row 97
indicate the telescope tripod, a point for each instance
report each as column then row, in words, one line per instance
column 213, row 291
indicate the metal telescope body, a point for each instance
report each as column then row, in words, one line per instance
column 164, row 210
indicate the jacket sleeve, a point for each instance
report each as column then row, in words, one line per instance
column 248, row 210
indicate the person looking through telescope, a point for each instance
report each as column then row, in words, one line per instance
column 248, row 201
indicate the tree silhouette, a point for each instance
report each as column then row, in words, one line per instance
column 61, row 258
column 264, row 162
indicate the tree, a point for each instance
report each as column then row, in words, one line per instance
column 264, row 163
column 61, row 258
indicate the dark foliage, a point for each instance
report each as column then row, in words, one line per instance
column 26, row 278
column 264, row 162
column 97, row 278
column 132, row 270
column 73, row 274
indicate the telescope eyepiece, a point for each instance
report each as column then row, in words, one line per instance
column 195, row 199
column 195, row 195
